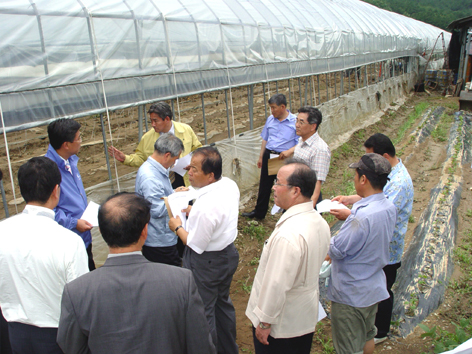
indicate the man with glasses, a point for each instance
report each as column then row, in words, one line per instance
column 64, row 144
column 311, row 148
column 286, row 282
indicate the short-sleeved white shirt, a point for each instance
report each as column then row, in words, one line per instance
column 213, row 220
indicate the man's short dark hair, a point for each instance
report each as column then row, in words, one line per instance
column 122, row 218
column 381, row 144
column 314, row 115
column 162, row 109
column 278, row 99
column 61, row 131
column 302, row 176
column 37, row 179
column 377, row 182
column 212, row 161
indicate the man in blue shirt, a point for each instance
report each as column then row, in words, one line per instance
column 278, row 136
column 153, row 183
column 64, row 144
column 399, row 190
column 358, row 253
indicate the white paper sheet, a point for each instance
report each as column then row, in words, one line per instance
column 321, row 312
column 275, row 209
column 326, row 205
column 273, row 156
column 178, row 201
column 180, row 164
column 91, row 213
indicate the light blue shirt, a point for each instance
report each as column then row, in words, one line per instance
column 280, row 135
column 400, row 191
column 152, row 182
column 360, row 251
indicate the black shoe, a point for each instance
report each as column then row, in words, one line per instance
column 251, row 215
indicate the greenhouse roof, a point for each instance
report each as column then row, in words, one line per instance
column 70, row 58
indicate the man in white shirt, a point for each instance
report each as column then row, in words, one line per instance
column 210, row 254
column 37, row 258
column 283, row 306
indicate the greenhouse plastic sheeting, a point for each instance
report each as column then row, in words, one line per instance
column 69, row 58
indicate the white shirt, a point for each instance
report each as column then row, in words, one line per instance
column 37, row 258
column 213, row 220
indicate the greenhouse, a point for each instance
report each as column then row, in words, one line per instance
column 80, row 57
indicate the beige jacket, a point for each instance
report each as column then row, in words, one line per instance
column 285, row 291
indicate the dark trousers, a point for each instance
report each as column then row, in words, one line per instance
column 166, row 255
column 213, row 273
column 91, row 263
column 179, row 182
column 384, row 312
column 296, row 345
column 5, row 347
column 27, row 339
column 265, row 187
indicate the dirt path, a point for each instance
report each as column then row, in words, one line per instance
column 424, row 163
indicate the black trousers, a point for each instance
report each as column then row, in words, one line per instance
column 91, row 263
column 265, row 187
column 295, row 345
column 5, row 347
column 384, row 312
column 179, row 182
column 27, row 339
column 166, row 255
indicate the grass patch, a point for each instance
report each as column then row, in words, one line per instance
column 419, row 109
column 321, row 338
column 255, row 231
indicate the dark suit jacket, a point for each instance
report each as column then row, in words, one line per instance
column 131, row 305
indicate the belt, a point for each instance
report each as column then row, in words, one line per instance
column 273, row 152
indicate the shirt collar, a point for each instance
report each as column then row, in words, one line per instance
column 172, row 129
column 311, row 140
column 296, row 209
column 112, row 255
column 367, row 200
column 158, row 166
column 38, row 211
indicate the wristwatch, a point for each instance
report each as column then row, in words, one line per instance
column 177, row 228
column 263, row 326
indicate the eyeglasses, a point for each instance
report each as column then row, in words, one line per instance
column 301, row 122
column 79, row 140
column 276, row 183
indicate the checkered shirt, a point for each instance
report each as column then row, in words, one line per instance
column 315, row 152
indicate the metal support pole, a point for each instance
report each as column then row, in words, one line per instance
column 5, row 205
column 300, row 91
column 341, row 91
column 306, row 90
column 264, row 98
column 335, row 85
column 327, row 87
column 356, row 79
column 310, row 80
column 289, row 95
column 319, row 94
column 227, row 114
column 105, row 146
column 250, row 103
column 204, row 119
column 172, row 105
column 349, row 82
column 145, row 118
column 276, row 87
column 365, row 75
column 140, row 122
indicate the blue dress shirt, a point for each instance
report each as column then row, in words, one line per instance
column 152, row 182
column 280, row 135
column 360, row 251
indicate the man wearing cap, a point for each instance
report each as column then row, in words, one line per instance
column 358, row 253
column 399, row 190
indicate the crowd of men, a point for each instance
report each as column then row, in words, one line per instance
column 152, row 296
